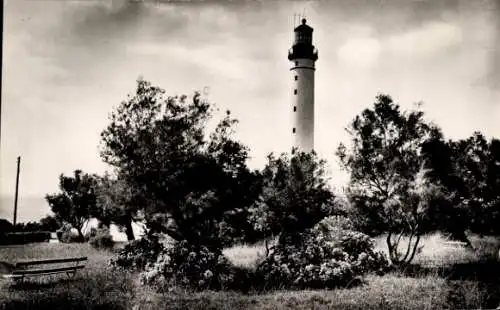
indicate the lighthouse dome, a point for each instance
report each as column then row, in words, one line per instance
column 303, row 33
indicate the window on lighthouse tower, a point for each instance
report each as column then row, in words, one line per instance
column 295, row 92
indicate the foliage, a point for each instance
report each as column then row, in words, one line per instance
column 47, row 223
column 359, row 246
column 240, row 226
column 335, row 223
column 469, row 172
column 65, row 234
column 295, row 196
column 411, row 211
column 193, row 267
column 118, row 202
column 5, row 226
column 100, row 238
column 386, row 162
column 327, row 257
column 137, row 254
column 76, row 203
column 24, row 237
column 159, row 145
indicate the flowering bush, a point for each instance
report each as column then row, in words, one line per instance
column 189, row 266
column 137, row 254
column 323, row 258
column 359, row 246
column 66, row 234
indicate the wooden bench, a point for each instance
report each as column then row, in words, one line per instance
column 20, row 270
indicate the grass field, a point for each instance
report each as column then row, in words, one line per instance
column 442, row 278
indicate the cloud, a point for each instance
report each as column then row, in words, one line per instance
column 66, row 63
column 492, row 78
column 426, row 40
column 207, row 59
column 360, row 52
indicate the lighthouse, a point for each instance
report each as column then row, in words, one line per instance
column 303, row 56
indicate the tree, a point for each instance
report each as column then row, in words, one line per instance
column 189, row 181
column 493, row 181
column 118, row 202
column 295, row 196
column 469, row 172
column 5, row 226
column 237, row 225
column 49, row 223
column 77, row 201
column 385, row 162
column 476, row 165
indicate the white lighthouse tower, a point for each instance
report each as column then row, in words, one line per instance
column 303, row 56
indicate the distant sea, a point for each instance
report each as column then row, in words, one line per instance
column 29, row 208
column 33, row 208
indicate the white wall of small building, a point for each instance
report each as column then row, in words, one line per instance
column 118, row 236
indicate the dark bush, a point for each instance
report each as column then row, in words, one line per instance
column 237, row 227
column 24, row 237
column 48, row 223
column 5, row 226
column 100, row 238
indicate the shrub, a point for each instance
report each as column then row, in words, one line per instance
column 24, row 237
column 101, row 238
column 194, row 267
column 323, row 257
column 66, row 235
column 5, row 226
column 137, row 254
column 359, row 246
column 362, row 255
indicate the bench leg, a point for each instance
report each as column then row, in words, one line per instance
column 73, row 273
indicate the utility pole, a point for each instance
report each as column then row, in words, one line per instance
column 17, row 189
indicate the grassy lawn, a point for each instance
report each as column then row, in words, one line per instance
column 442, row 278
column 95, row 287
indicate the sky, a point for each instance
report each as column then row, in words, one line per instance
column 67, row 64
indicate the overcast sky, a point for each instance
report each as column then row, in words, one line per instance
column 67, row 63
